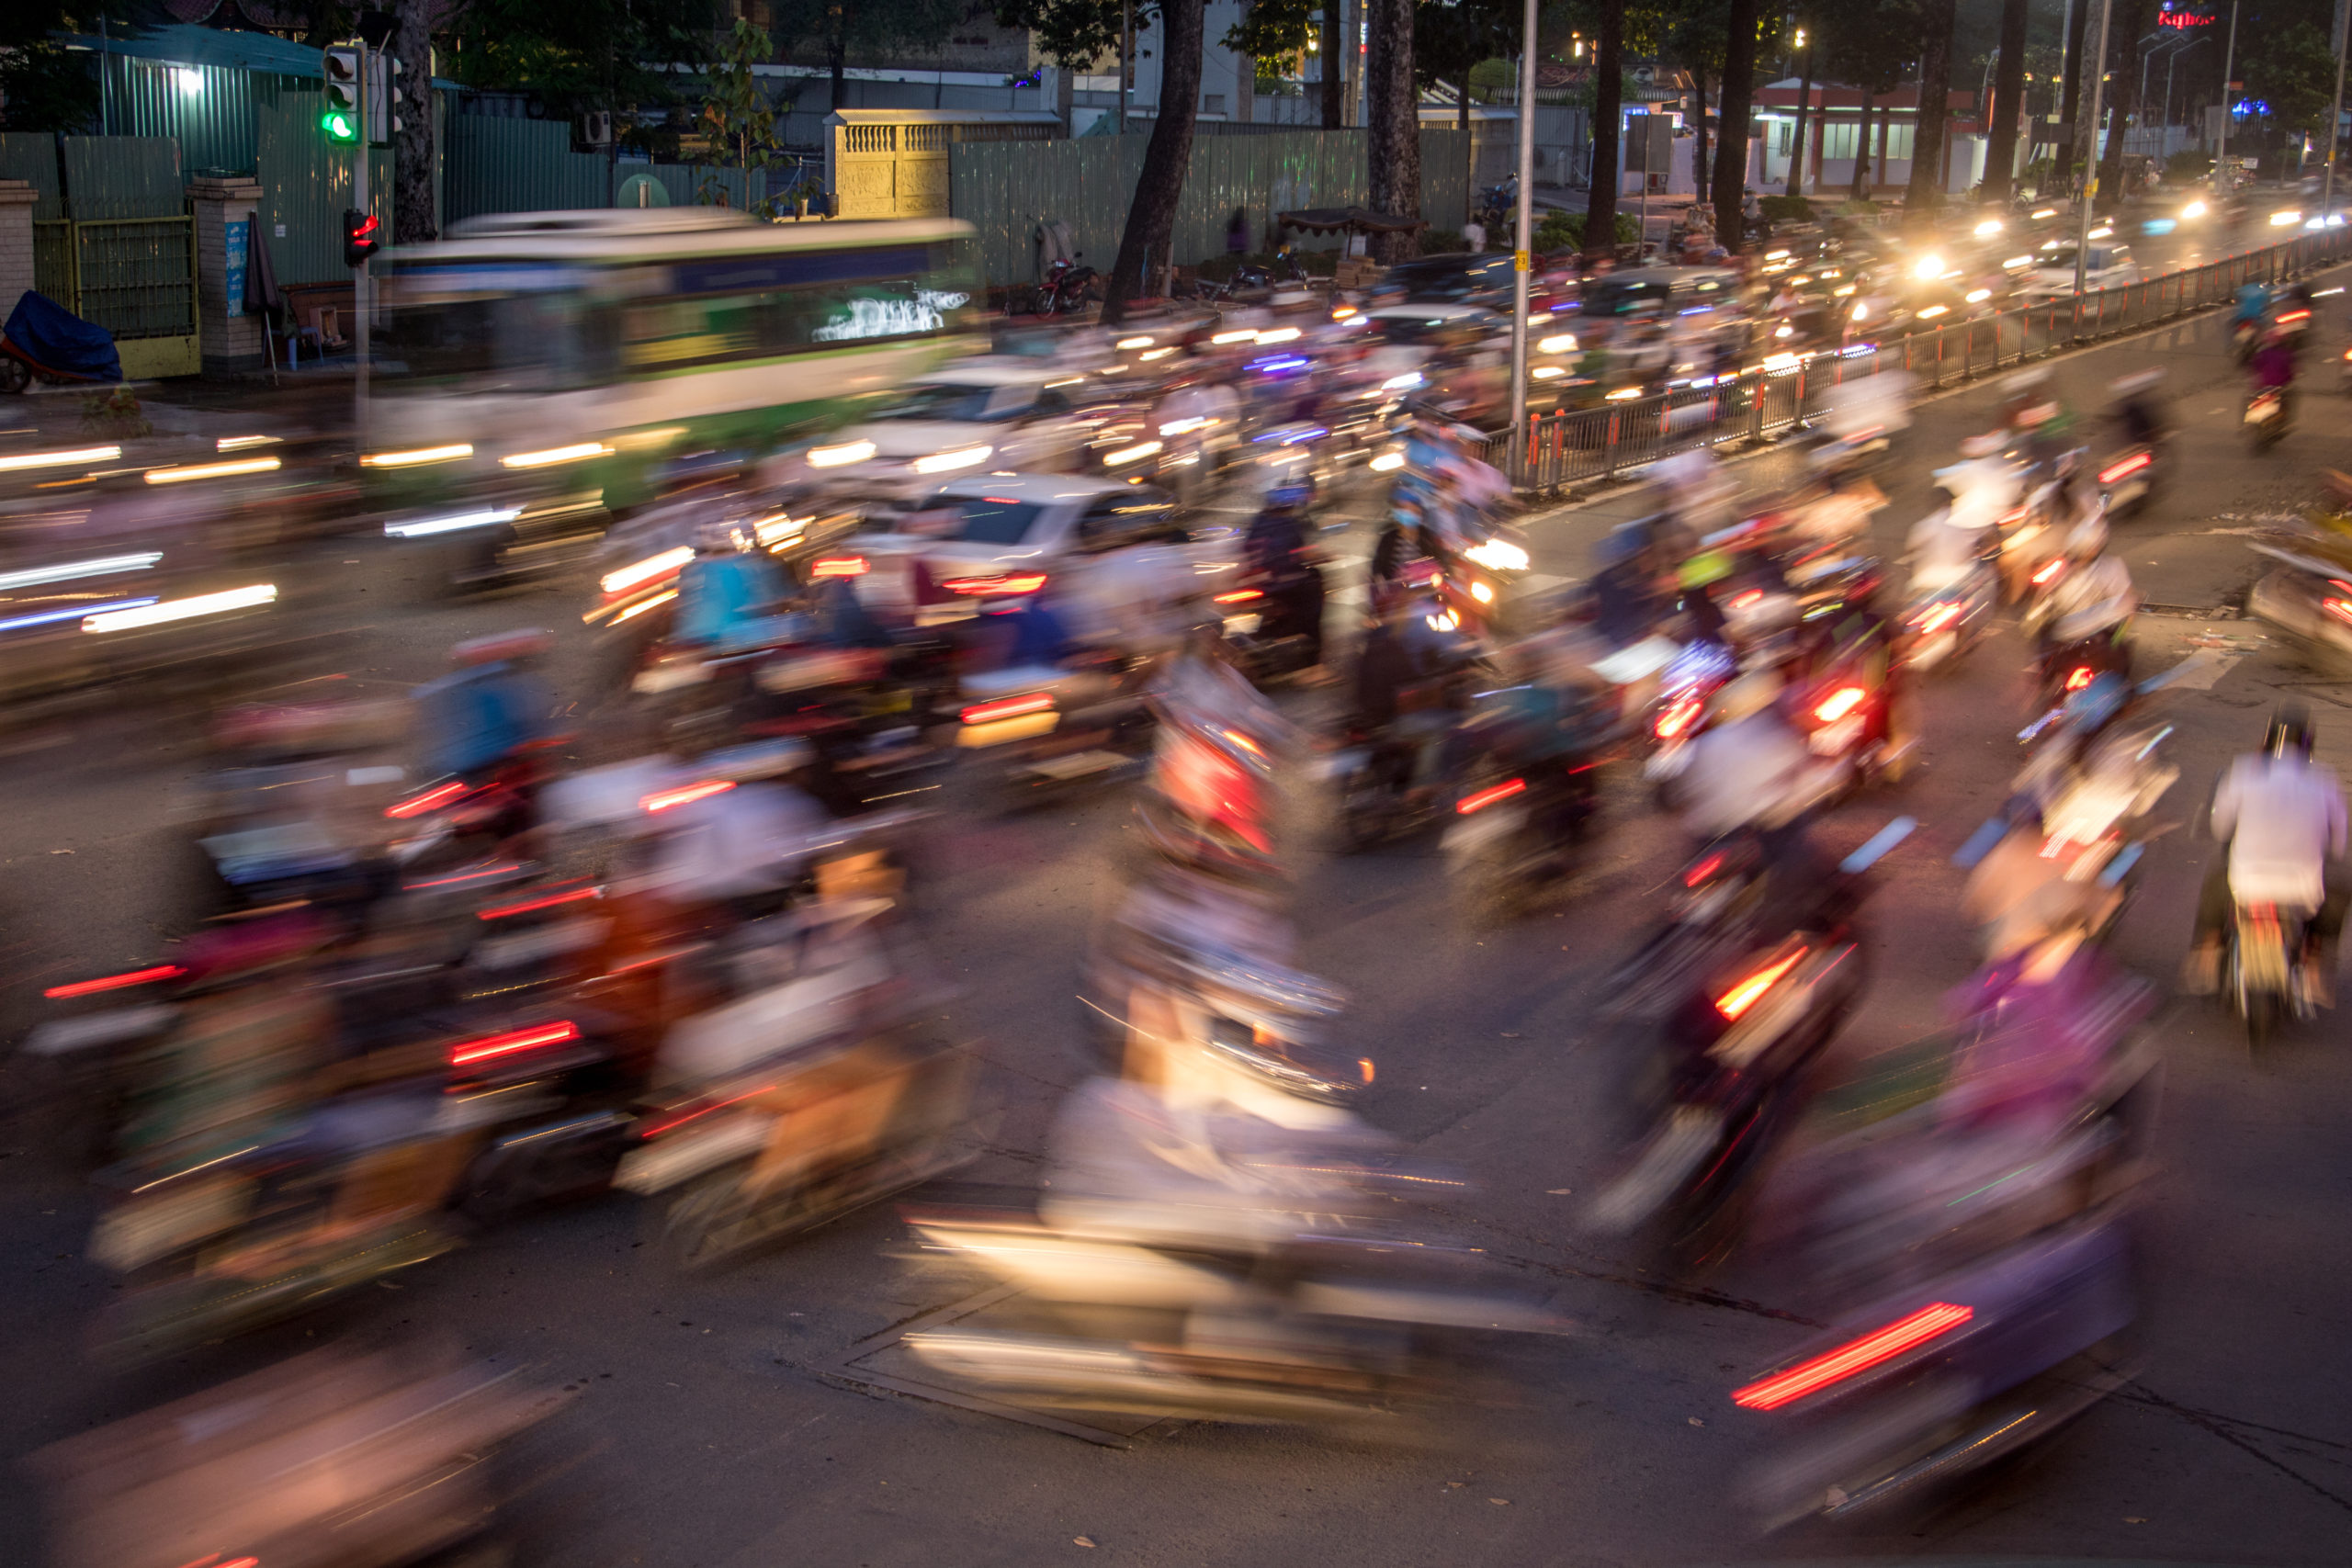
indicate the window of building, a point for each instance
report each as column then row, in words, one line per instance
column 1212, row 103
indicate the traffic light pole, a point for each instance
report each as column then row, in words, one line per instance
column 362, row 285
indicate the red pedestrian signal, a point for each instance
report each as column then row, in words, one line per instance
column 360, row 236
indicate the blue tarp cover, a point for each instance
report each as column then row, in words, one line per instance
column 52, row 339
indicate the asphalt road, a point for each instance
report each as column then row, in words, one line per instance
column 713, row 1425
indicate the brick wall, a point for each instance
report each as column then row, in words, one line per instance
column 16, row 242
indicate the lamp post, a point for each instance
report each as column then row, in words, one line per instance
column 2221, row 137
column 2174, row 65
column 2096, row 63
column 1521, row 257
column 2335, row 115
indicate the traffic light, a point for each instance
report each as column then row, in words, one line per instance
column 383, row 96
column 359, row 234
column 340, row 120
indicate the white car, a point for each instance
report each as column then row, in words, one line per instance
column 995, row 413
column 2111, row 267
column 1118, row 548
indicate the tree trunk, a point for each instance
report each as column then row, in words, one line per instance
column 1608, row 109
column 2124, row 101
column 1737, row 101
column 416, row 214
column 1335, row 65
column 2008, row 93
column 1861, row 184
column 1805, row 105
column 836, row 56
column 2070, row 95
column 1151, row 216
column 1698, row 139
column 1393, row 149
column 1926, row 192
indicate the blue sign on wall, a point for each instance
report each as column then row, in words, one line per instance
column 233, row 239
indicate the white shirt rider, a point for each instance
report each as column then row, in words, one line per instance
column 2283, row 819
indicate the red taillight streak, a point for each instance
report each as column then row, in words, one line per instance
column 2049, row 574
column 1703, row 869
column 676, row 1122
column 1008, row 707
column 1240, row 596
column 992, row 587
column 1839, row 702
column 2294, row 316
column 2079, row 677
column 2340, row 608
column 114, row 982
column 686, row 795
column 1742, row 997
column 1742, row 601
column 1486, row 797
column 466, row 1052
column 1936, row 619
column 2125, row 469
column 417, row 805
column 839, row 566
column 573, row 897
column 1859, row 1356
column 463, row 876
column 1678, row 716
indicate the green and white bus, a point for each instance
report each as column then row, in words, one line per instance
column 602, row 342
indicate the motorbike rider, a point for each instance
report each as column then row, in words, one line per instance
column 1748, row 770
column 1277, row 556
column 2282, row 818
column 2272, row 367
column 1625, row 597
column 2136, row 410
column 725, row 588
column 490, row 709
column 2090, row 610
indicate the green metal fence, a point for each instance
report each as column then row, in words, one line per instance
column 494, row 164
column 1006, row 190
column 123, row 176
column 518, row 166
column 31, row 156
column 305, row 187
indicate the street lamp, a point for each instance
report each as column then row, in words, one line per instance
column 2174, row 65
column 1526, row 242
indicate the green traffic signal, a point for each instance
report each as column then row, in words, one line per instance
column 340, row 125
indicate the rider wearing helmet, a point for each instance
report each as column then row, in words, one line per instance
column 2282, row 816
column 1276, row 554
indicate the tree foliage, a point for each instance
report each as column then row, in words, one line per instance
column 580, row 55
column 737, row 114
column 844, row 28
column 1073, row 33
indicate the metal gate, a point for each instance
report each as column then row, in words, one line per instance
column 136, row 277
column 123, row 256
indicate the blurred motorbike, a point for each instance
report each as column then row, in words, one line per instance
column 335, row 1456
column 1736, row 1051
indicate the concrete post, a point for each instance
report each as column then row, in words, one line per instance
column 15, row 241
column 226, row 210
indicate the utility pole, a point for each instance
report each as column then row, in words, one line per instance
column 2096, row 60
column 1126, row 57
column 2221, row 137
column 362, row 290
column 2335, row 115
column 1521, row 253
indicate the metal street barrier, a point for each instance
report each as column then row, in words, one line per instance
column 1581, row 446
